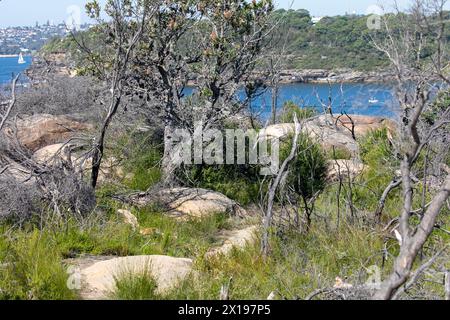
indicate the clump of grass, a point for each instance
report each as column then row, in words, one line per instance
column 338, row 154
column 240, row 183
column 32, row 269
column 298, row 265
column 31, row 260
column 136, row 287
column 181, row 238
column 142, row 156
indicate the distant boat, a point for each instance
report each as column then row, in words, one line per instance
column 373, row 101
column 21, row 59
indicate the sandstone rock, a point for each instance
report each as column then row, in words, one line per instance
column 40, row 130
column 278, row 131
column 233, row 239
column 344, row 168
column 327, row 137
column 365, row 124
column 110, row 168
column 332, row 133
column 341, row 284
column 98, row 278
column 49, row 153
column 185, row 203
column 129, row 218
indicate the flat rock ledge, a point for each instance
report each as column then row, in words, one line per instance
column 98, row 275
column 188, row 203
column 233, row 239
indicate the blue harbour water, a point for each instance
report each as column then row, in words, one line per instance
column 353, row 98
column 9, row 68
column 366, row 99
column 371, row 99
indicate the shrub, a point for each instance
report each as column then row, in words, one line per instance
column 238, row 182
column 59, row 192
column 144, row 166
column 142, row 156
column 62, row 96
column 379, row 156
column 307, row 172
column 290, row 108
column 339, row 154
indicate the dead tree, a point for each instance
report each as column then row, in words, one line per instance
column 417, row 76
column 447, row 285
column 274, row 188
column 9, row 105
column 126, row 28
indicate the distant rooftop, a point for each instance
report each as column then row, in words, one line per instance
column 316, row 19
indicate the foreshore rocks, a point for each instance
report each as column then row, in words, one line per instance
column 338, row 76
column 332, row 132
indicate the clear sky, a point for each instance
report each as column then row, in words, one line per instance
column 28, row 12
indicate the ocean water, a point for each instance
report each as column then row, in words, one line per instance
column 371, row 99
column 365, row 99
column 9, row 68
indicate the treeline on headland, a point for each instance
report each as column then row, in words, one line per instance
column 338, row 42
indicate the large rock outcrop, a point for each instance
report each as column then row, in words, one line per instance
column 41, row 130
column 98, row 277
column 110, row 169
column 363, row 124
column 326, row 136
column 186, row 203
column 332, row 132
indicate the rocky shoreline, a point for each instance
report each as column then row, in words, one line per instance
column 321, row 76
column 58, row 64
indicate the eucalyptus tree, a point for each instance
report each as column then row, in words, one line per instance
column 417, row 48
column 122, row 32
column 155, row 49
column 213, row 47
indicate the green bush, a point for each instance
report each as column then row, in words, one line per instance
column 307, row 172
column 290, row 108
column 379, row 156
column 238, row 182
column 338, row 154
column 142, row 158
column 145, row 169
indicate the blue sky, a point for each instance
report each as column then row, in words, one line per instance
column 28, row 12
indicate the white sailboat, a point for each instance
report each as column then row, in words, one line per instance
column 21, row 59
column 373, row 100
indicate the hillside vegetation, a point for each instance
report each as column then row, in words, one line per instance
column 116, row 184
